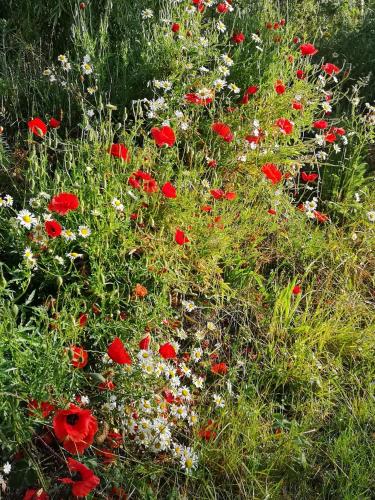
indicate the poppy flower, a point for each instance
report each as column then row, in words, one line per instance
column 271, row 211
column 117, row 352
column 175, row 27
column 63, row 203
column 308, row 49
column 163, row 136
column 300, row 74
column 272, row 172
column 296, row 290
column 285, row 125
column 223, row 131
column 53, row 228
column 297, row 105
column 219, row 368
column 167, row 351
column 168, row 190
column 222, row 8
column 309, row 177
column 134, row 183
column 195, row 99
column 53, row 123
column 79, row 356
column 32, row 494
column 330, row 137
column 145, row 343
column 83, row 480
column 43, row 407
column 119, row 151
column 180, row 237
column 320, row 217
column 338, row 130
column 75, row 428
column 330, row 68
column 108, row 385
column 82, row 319
column 238, row 38
column 37, row 127
column 253, row 89
column 107, row 455
column 320, row 124
column 218, row 194
column 279, row 87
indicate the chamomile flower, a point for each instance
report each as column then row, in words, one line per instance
column 193, row 419
column 228, row 61
column 233, row 87
column 62, row 58
column 26, row 219
column 188, row 305
column 219, row 401
column 147, row 14
column 74, row 255
column 189, row 460
column 7, row 468
column 371, row 215
column 84, row 231
column 196, row 354
column 145, row 405
column 68, row 234
column 220, row 26
column 87, row 68
column 311, row 204
column 180, row 412
column 117, row 205
column 219, row 84
column 184, row 393
column 198, row 382
column 8, row 200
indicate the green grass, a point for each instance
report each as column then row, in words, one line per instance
column 298, row 420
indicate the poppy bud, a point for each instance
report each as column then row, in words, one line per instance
column 82, row 6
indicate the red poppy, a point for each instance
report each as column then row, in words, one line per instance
column 320, row 217
column 223, row 131
column 134, row 183
column 308, row 49
column 300, row 74
column 219, row 368
column 163, row 136
column 330, row 68
column 208, row 432
column 168, row 190
column 37, row 127
column 84, row 479
column 82, row 319
column 80, row 356
column 338, row 131
column 309, row 177
column 43, row 407
column 167, row 351
column 195, row 99
column 107, row 455
column 296, row 290
column 272, row 172
column 330, row 137
column 238, row 38
column 271, row 211
column 32, row 494
column 279, row 87
column 117, row 352
column 75, row 428
column 222, row 8
column 218, row 194
column 168, row 396
column 320, row 124
column 53, row 228
column 63, row 203
column 285, row 125
column 53, row 123
column 180, row 237
column 175, row 27
column 145, row 342
column 119, row 151
column 297, row 105
column 253, row 89
column 108, row 385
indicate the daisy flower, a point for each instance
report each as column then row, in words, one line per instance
column 84, row 231
column 26, row 218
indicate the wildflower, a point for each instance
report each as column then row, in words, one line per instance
column 189, row 460
column 26, row 219
column 219, row 84
column 180, row 237
column 116, row 203
column 233, row 87
column 285, row 125
column 175, row 27
column 83, row 480
column 87, row 68
column 53, row 228
column 84, row 231
column 238, row 38
column 168, row 190
column 311, row 204
column 371, row 215
column 330, row 68
column 223, row 131
column 167, row 351
column 62, row 58
column 308, row 49
column 188, row 305
column 279, row 87
column 219, row 401
column 37, row 127
column 75, row 428
column 320, row 124
column 163, row 136
column 272, row 172
column 179, row 411
column 220, row 26
column 32, row 494
column 7, row 468
column 219, row 368
column 73, row 256
column 296, row 290
column 117, row 352
column 147, row 14
column 119, row 151
column 309, row 177
column 228, row 61
column 63, row 203
column 300, row 74
column 68, row 234
column 53, row 123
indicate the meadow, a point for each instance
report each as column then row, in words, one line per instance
column 187, row 220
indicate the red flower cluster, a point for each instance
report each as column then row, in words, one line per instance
column 149, row 184
column 195, row 99
column 219, row 194
column 119, row 151
column 285, row 125
column 223, row 131
column 163, row 136
column 83, row 480
column 272, row 173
